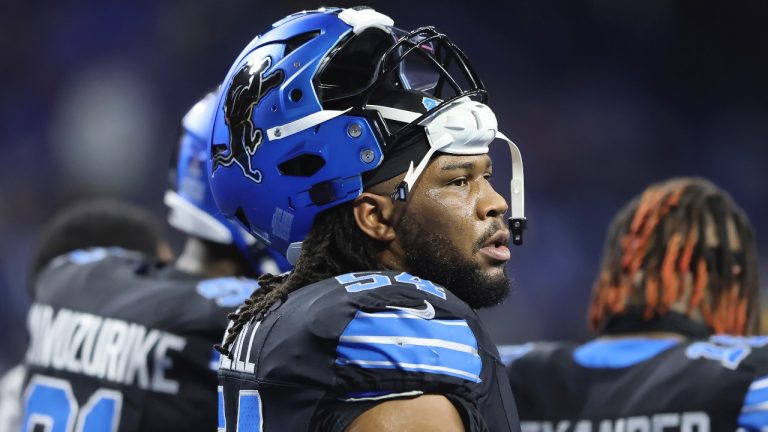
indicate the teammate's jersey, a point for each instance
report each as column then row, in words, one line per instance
column 121, row 343
column 338, row 347
column 642, row 384
column 10, row 398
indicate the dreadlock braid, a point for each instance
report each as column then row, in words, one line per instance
column 334, row 246
column 684, row 246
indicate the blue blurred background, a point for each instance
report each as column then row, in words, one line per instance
column 603, row 97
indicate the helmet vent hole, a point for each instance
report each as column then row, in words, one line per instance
column 240, row 215
column 305, row 165
column 295, row 42
column 295, row 95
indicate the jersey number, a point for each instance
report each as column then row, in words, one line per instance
column 50, row 406
column 730, row 351
column 356, row 282
column 249, row 416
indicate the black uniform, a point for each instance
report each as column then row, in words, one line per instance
column 121, row 343
column 642, row 384
column 338, row 347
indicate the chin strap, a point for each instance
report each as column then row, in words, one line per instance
column 304, row 123
column 293, row 252
column 517, row 221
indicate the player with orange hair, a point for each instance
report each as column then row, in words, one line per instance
column 675, row 306
column 684, row 247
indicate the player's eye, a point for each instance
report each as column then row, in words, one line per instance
column 460, row 182
column 488, row 176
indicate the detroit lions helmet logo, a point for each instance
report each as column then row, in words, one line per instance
column 249, row 86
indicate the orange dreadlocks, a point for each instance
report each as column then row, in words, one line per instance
column 684, row 246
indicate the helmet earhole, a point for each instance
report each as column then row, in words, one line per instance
column 295, row 95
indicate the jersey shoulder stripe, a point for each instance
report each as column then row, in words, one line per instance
column 620, row 353
column 754, row 412
column 510, row 353
column 398, row 340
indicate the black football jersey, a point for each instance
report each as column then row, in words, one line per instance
column 121, row 343
column 636, row 384
column 338, row 347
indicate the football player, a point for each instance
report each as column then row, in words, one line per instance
column 102, row 222
column 122, row 342
column 361, row 151
column 675, row 307
column 215, row 246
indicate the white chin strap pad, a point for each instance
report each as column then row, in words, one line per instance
column 464, row 127
column 361, row 19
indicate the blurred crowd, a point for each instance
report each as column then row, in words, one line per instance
column 602, row 98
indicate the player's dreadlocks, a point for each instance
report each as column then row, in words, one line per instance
column 334, row 246
column 683, row 245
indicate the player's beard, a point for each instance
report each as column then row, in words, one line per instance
column 431, row 256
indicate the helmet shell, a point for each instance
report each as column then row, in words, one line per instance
column 276, row 187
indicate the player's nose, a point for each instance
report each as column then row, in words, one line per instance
column 491, row 204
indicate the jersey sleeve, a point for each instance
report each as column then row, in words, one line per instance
column 406, row 338
column 746, row 358
column 754, row 412
column 10, row 398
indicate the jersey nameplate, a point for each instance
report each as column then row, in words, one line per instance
column 244, row 340
column 685, row 422
column 103, row 348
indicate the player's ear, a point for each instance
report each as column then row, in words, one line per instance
column 373, row 214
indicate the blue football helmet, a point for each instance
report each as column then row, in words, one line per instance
column 192, row 209
column 328, row 101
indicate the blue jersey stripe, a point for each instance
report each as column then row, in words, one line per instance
column 754, row 421
column 402, row 324
column 412, row 354
column 620, row 352
column 756, row 397
column 754, row 412
column 399, row 340
column 759, row 384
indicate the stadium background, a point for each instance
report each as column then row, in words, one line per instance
column 602, row 97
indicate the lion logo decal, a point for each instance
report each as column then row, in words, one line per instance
column 248, row 88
